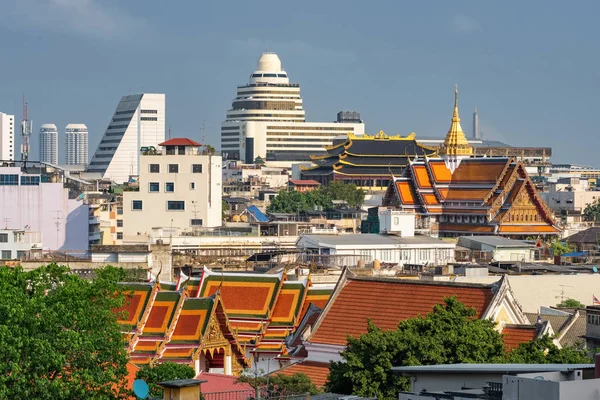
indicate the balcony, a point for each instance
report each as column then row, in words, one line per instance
column 93, row 220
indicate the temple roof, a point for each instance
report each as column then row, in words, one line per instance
column 357, row 300
column 456, row 143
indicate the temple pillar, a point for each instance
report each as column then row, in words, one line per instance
column 227, row 365
column 197, row 365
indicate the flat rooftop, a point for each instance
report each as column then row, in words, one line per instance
column 490, row 368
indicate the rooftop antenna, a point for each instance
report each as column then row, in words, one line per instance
column 57, row 223
column 203, row 137
column 562, row 292
column 26, row 129
column 6, row 222
column 169, row 132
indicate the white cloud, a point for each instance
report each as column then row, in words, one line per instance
column 463, row 24
column 81, row 17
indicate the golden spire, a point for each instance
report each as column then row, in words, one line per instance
column 456, row 143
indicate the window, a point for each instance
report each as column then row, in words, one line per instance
column 119, row 210
column 149, row 119
column 192, row 185
column 6, row 254
column 3, row 237
column 136, row 205
column 9, row 180
column 196, row 222
column 169, row 187
column 20, row 254
column 173, row 168
column 175, row 205
column 119, row 235
column 154, row 186
column 119, row 223
column 30, row 180
column 149, row 111
column 197, row 168
column 155, row 168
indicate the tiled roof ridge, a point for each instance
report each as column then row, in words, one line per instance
column 567, row 325
column 354, row 277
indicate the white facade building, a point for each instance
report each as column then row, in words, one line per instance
column 17, row 243
column 179, row 187
column 76, row 144
column 49, row 144
column 29, row 201
column 7, row 137
column 267, row 120
column 138, row 121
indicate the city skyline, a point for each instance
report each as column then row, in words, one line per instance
column 396, row 64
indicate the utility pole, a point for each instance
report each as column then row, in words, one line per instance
column 57, row 220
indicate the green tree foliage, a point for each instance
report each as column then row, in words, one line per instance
column 449, row 334
column 570, row 303
column 293, row 201
column 544, row 351
column 59, row 336
column 168, row 371
column 592, row 211
column 280, row 385
column 224, row 209
column 559, row 248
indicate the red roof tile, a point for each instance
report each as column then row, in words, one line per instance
column 179, row 142
column 387, row 302
column 514, row 335
column 304, row 182
column 222, row 383
column 316, row 371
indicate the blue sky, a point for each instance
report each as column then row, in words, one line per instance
column 531, row 68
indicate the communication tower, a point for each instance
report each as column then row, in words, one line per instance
column 26, row 129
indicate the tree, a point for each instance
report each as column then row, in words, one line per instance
column 280, row 385
column 338, row 190
column 544, row 351
column 168, row 371
column 570, row 303
column 449, row 334
column 592, row 211
column 59, row 336
column 559, row 248
column 209, row 149
column 224, row 209
column 288, row 201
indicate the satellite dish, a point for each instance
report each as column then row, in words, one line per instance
column 594, row 269
column 140, row 389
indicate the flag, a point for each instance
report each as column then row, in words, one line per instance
column 596, row 301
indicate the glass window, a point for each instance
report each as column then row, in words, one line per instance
column 155, row 168
column 197, row 168
column 3, row 237
column 175, row 205
column 6, row 254
column 173, row 168
column 119, row 210
column 154, row 186
column 196, row 222
column 20, row 254
column 270, row 75
column 9, row 180
column 169, row 187
column 119, row 223
column 119, row 235
column 136, row 205
column 192, row 185
column 30, row 180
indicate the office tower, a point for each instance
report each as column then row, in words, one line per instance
column 476, row 125
column 76, row 144
column 49, row 144
column 7, row 137
column 138, row 121
column 267, row 120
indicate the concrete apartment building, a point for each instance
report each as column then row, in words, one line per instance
column 49, row 144
column 76, row 144
column 568, row 197
column 7, row 137
column 179, row 187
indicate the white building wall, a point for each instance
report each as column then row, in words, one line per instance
column 202, row 202
column 40, row 208
column 117, row 155
column 7, row 137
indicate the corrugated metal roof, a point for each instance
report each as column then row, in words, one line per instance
column 489, row 368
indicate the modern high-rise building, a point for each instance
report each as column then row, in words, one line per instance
column 7, row 137
column 49, row 144
column 138, row 121
column 76, row 144
column 267, row 120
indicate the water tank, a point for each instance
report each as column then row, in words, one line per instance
column 236, row 218
column 376, row 264
column 244, row 218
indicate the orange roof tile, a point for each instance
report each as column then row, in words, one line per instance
column 316, row 371
column 387, row 302
column 430, row 199
column 466, row 194
column 422, row 176
column 318, row 297
column 514, row 335
column 528, row 229
column 441, row 174
column 406, row 194
column 466, row 228
column 474, row 170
